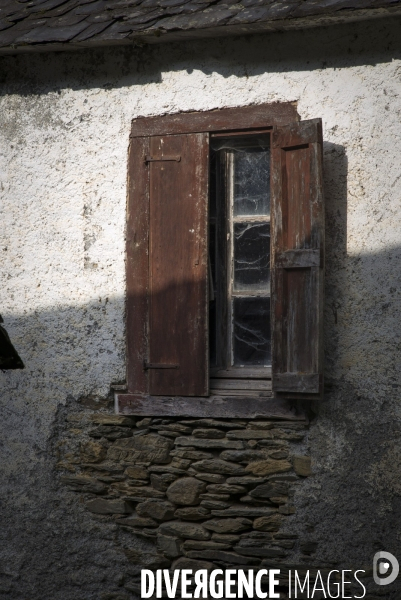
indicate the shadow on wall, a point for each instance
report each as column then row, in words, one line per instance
column 77, row 350
column 308, row 50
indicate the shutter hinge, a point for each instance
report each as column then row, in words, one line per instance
column 172, row 157
column 147, row 365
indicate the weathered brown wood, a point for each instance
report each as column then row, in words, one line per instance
column 178, row 309
column 215, row 406
column 242, row 373
column 241, row 384
column 245, row 117
column 137, row 270
column 243, row 393
column 297, row 382
column 298, row 259
column 297, row 281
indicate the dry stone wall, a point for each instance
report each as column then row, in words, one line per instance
column 205, row 493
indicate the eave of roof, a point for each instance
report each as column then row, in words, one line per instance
column 49, row 25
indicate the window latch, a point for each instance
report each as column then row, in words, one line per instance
column 147, row 366
column 171, row 157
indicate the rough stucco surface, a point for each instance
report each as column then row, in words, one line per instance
column 65, row 121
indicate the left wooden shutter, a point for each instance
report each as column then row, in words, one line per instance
column 167, row 310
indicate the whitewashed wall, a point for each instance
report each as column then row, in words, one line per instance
column 64, row 129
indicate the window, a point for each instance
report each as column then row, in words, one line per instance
column 225, row 241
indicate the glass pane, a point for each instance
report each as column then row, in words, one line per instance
column 251, row 181
column 251, row 331
column 251, row 256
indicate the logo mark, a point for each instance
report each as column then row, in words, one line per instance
column 385, row 563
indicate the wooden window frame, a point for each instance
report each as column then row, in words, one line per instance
column 249, row 119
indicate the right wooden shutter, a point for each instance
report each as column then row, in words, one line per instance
column 297, row 260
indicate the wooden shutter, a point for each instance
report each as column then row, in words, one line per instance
column 167, row 309
column 297, row 259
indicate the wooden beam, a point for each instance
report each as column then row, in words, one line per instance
column 241, row 407
column 224, row 119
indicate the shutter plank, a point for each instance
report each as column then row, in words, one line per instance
column 137, row 268
column 297, row 259
column 178, row 308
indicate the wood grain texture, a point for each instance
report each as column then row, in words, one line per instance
column 178, row 310
column 241, row 407
column 242, row 373
column 137, row 268
column 297, row 259
column 245, row 117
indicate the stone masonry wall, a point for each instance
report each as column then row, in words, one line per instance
column 205, row 493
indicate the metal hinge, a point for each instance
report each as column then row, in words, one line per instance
column 147, row 365
column 172, row 157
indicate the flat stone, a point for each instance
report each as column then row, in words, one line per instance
column 225, row 538
column 271, row 523
column 214, row 504
column 302, row 465
column 156, row 509
column 260, row 425
column 190, row 545
column 227, row 525
column 192, row 565
column 211, row 434
column 246, row 480
column 201, row 423
column 119, row 420
column 148, row 448
column 268, row 490
column 82, row 483
column 244, row 455
column 209, row 496
column 137, row 522
column 216, row 444
column 191, row 454
column 278, row 454
column 101, row 506
column 173, row 427
column 210, row 477
column 249, row 434
column 92, row 452
column 225, row 488
column 111, row 432
column 221, row 555
column 268, row 467
column 184, row 530
column 186, row 491
column 145, row 492
column 137, row 472
column 166, row 469
column 218, row 466
column 180, row 463
column 143, row 423
column 162, row 482
column 192, row 513
column 257, row 535
column 290, row 436
column 104, row 467
column 244, row 511
column 169, row 545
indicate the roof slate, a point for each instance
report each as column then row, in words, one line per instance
column 59, row 24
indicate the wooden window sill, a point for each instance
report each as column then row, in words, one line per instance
column 216, row 406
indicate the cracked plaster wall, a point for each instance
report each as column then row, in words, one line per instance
column 65, row 120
